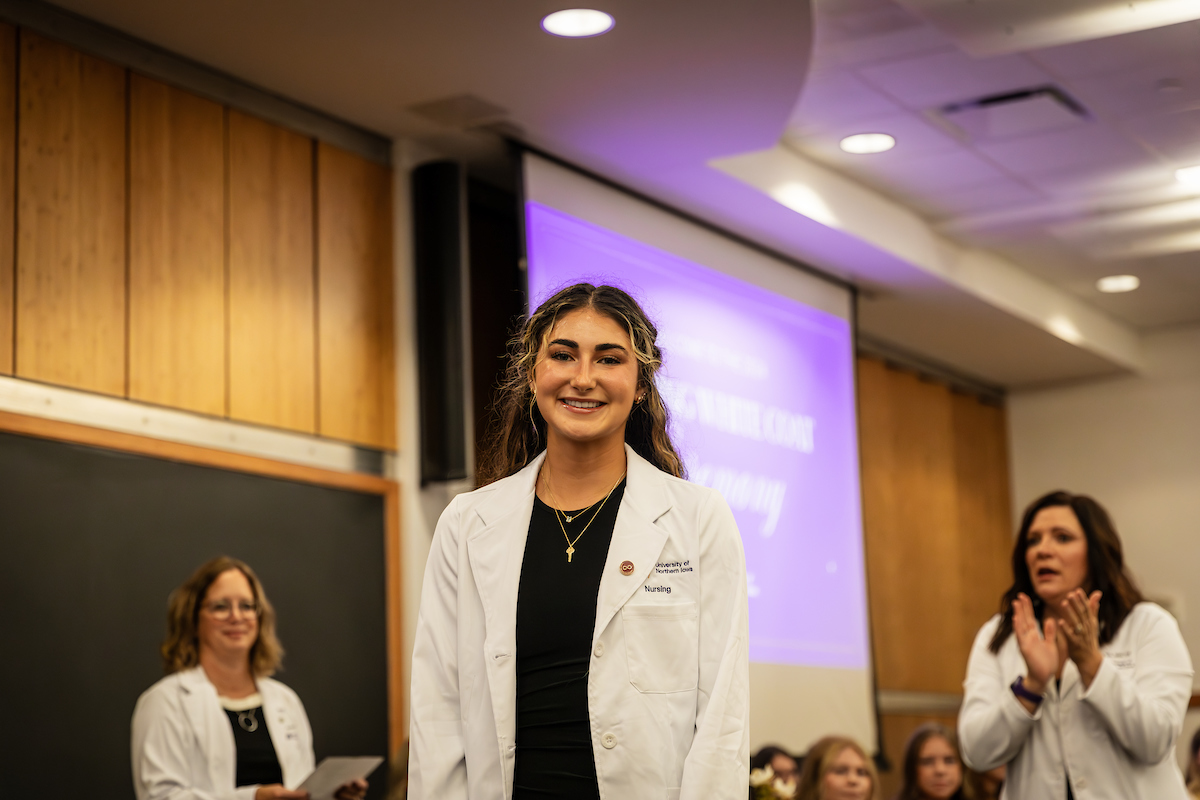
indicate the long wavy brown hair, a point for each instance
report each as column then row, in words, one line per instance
column 819, row 761
column 181, row 649
column 518, row 430
column 910, row 789
column 1106, row 567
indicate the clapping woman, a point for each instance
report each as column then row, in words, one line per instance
column 583, row 620
column 1079, row 684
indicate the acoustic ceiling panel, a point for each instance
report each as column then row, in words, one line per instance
column 1013, row 26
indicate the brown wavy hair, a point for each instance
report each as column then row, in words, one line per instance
column 909, row 789
column 1106, row 567
column 518, row 430
column 181, row 649
column 820, row 759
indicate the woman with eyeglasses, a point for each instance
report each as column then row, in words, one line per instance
column 217, row 727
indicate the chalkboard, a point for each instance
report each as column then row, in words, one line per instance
column 91, row 543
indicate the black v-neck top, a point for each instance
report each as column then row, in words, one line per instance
column 556, row 612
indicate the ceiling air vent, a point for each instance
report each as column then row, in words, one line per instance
column 1012, row 114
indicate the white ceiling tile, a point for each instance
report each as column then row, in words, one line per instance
column 1117, row 54
column 832, row 99
column 1175, row 136
column 1135, row 92
column 950, row 77
column 1092, row 147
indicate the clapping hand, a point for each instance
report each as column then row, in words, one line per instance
column 1080, row 627
column 1044, row 651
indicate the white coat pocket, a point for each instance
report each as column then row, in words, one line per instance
column 662, row 646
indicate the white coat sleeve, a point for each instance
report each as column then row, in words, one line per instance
column 992, row 723
column 163, row 746
column 437, row 763
column 1144, row 707
column 719, row 759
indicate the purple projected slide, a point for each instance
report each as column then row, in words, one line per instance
column 761, row 394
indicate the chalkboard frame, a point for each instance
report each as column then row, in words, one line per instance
column 388, row 490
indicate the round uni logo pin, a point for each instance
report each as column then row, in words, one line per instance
column 626, row 567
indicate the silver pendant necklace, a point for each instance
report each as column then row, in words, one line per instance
column 248, row 721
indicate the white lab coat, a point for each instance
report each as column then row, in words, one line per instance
column 668, row 684
column 182, row 743
column 1115, row 741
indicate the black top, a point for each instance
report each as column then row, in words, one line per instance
column 257, row 763
column 556, row 613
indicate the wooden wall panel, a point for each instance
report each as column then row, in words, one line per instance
column 910, row 521
column 984, row 517
column 936, row 524
column 8, row 171
column 176, row 248
column 272, row 361
column 355, row 299
column 70, row 314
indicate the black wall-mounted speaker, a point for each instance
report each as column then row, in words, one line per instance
column 439, row 245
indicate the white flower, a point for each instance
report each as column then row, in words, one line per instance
column 762, row 777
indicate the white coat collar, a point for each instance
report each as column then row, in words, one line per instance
column 496, row 551
column 203, row 710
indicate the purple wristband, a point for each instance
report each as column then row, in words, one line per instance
column 1018, row 688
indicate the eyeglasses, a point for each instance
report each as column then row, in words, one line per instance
column 223, row 609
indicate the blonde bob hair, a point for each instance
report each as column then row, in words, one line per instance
column 820, row 760
column 181, row 649
column 518, row 431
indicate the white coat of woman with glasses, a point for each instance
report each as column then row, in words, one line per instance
column 217, row 727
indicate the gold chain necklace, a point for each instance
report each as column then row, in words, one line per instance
column 558, row 515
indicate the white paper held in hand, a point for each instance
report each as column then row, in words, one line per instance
column 336, row 771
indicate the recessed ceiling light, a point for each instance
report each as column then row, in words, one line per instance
column 1114, row 284
column 862, row 143
column 1188, row 175
column 577, row 22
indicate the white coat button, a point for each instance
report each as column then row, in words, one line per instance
column 599, row 651
column 1081, row 783
column 609, row 741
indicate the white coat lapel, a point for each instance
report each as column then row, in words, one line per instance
column 635, row 538
column 495, row 552
column 213, row 733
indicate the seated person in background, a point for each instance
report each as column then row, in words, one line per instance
column 985, row 785
column 217, row 701
column 837, row 768
column 932, row 766
column 782, row 764
column 1193, row 767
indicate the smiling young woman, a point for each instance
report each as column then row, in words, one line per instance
column 583, row 620
column 1076, row 637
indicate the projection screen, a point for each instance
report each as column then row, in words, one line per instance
column 759, row 380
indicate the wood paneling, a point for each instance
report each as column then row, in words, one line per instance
column 936, row 524
column 355, row 299
column 8, row 171
column 895, row 729
column 176, row 248
column 70, row 314
column 272, row 359
column 984, row 515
